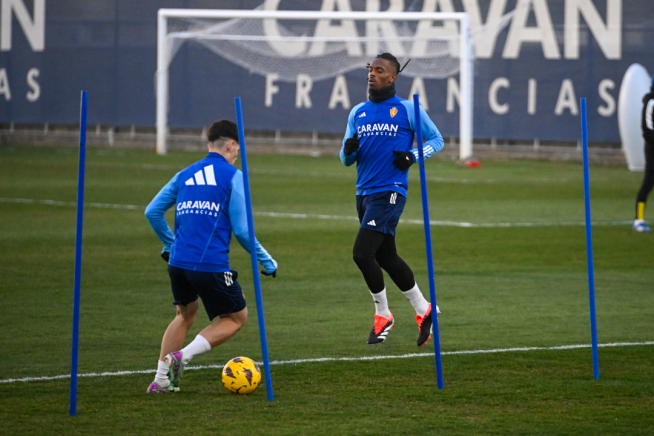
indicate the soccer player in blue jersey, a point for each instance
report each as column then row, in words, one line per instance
column 210, row 204
column 379, row 138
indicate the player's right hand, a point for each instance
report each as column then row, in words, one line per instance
column 265, row 273
column 351, row 145
column 165, row 255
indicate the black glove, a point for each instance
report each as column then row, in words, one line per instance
column 403, row 159
column 273, row 274
column 165, row 255
column 351, row 145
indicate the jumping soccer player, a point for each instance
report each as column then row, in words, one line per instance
column 647, row 124
column 210, row 205
column 379, row 138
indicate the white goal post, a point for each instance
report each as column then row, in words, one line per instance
column 166, row 50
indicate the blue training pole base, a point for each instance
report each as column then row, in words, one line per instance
column 253, row 251
column 430, row 259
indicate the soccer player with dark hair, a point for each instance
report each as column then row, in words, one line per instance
column 210, row 204
column 647, row 124
column 379, row 138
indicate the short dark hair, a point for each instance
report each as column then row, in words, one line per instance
column 222, row 129
column 393, row 60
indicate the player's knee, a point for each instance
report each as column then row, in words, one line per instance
column 241, row 318
column 361, row 258
column 385, row 261
column 188, row 319
column 186, row 314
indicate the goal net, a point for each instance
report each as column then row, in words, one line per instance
column 321, row 45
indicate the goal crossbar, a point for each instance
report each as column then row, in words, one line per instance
column 465, row 54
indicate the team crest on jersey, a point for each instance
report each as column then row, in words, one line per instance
column 393, row 112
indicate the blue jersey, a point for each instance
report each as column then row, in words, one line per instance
column 381, row 128
column 210, row 204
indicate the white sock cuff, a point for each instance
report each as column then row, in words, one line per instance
column 202, row 340
column 415, row 288
column 417, row 300
column 162, row 374
column 381, row 303
column 198, row 346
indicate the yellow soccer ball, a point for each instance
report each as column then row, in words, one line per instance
column 241, row 375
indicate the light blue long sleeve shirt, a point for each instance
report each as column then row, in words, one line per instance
column 210, row 205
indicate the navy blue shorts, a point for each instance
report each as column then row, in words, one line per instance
column 220, row 292
column 380, row 211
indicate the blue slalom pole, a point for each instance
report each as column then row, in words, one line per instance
column 253, row 251
column 589, row 242
column 78, row 253
column 430, row 260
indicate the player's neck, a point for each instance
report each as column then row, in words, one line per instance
column 222, row 152
column 381, row 94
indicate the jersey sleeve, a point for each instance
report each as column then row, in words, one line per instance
column 155, row 211
column 238, row 219
column 349, row 132
column 433, row 140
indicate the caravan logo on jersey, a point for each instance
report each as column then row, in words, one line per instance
column 377, row 129
column 198, row 207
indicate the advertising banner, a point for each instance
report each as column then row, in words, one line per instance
column 528, row 78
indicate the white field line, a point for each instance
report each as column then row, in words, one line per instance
column 70, row 203
column 334, row 359
column 329, row 217
column 286, row 173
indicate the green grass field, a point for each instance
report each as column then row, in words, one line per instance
column 517, row 278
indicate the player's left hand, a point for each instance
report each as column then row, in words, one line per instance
column 165, row 255
column 273, row 274
column 403, row 159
